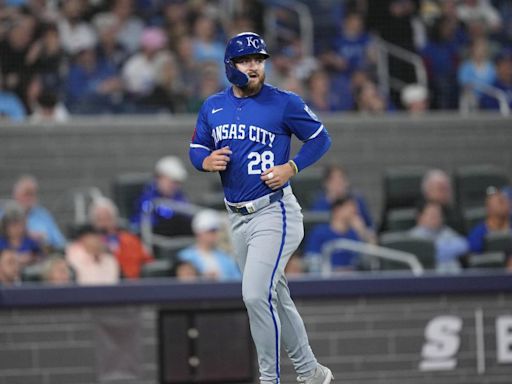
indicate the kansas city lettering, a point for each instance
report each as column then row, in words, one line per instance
column 241, row 132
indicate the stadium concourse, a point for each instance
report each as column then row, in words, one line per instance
column 116, row 260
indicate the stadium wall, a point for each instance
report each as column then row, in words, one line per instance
column 379, row 330
column 92, row 152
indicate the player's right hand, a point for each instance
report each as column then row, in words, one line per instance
column 217, row 160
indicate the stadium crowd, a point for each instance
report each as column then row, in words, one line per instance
column 76, row 57
column 107, row 248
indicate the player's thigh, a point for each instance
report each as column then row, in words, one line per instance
column 238, row 239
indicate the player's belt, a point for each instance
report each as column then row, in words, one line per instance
column 257, row 204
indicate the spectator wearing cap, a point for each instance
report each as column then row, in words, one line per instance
column 415, row 99
column 40, row 223
column 14, row 235
column 9, row 268
column 125, row 246
column 140, row 72
column 170, row 174
column 497, row 219
column 336, row 185
column 450, row 246
column 205, row 255
column 89, row 258
column 503, row 81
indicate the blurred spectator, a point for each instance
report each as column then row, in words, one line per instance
column 477, row 70
column 9, row 268
column 14, row 48
column 436, row 187
column 208, row 85
column 415, row 99
column 187, row 65
column 497, row 219
column 73, row 30
column 11, row 107
column 170, row 174
column 320, row 98
column 47, row 58
column 450, row 246
column 126, row 247
column 129, row 27
column 14, row 236
column 93, row 86
column 89, row 259
column 205, row 255
column 140, row 73
column 351, row 49
column 295, row 266
column 185, row 272
column 206, row 46
column 503, row 81
column 441, row 56
column 345, row 223
column 57, row 271
column 109, row 49
column 49, row 109
column 469, row 10
column 369, row 100
column 336, row 185
column 40, row 223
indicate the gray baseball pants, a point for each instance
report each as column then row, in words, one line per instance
column 263, row 242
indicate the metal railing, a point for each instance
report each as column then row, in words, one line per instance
column 406, row 258
column 385, row 50
column 305, row 23
column 469, row 102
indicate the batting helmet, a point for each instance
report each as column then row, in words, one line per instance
column 243, row 44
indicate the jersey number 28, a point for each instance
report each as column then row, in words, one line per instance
column 260, row 162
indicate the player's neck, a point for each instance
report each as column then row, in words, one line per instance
column 246, row 91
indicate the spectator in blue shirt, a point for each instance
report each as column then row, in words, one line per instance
column 450, row 246
column 497, row 219
column 502, row 82
column 345, row 223
column 11, row 107
column 170, row 174
column 40, row 223
column 210, row 261
column 336, row 185
column 14, row 236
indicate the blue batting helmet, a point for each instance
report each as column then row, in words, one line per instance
column 243, row 44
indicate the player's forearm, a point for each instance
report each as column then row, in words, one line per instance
column 197, row 156
column 312, row 150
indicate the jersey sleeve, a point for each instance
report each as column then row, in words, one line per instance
column 301, row 120
column 202, row 137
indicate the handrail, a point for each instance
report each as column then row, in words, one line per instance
column 371, row 250
column 305, row 23
column 386, row 49
column 80, row 196
column 467, row 98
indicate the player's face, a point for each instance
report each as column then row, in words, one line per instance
column 254, row 67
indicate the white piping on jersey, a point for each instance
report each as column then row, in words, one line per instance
column 199, row 146
column 316, row 133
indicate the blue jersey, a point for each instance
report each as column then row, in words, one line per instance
column 258, row 131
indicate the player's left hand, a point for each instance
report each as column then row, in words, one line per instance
column 276, row 177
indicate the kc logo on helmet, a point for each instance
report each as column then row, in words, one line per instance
column 255, row 42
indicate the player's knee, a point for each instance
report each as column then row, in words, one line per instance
column 255, row 298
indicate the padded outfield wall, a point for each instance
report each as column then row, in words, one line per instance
column 92, row 152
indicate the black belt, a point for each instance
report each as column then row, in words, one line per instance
column 243, row 210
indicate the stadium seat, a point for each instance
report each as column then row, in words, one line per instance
column 401, row 219
column 472, row 217
column 312, row 219
column 471, row 183
column 423, row 249
column 498, row 242
column 126, row 188
column 157, row 268
column 487, row 260
column 33, row 272
column 306, row 187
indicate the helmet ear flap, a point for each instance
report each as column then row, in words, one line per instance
column 235, row 76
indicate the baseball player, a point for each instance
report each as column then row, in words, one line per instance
column 244, row 133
